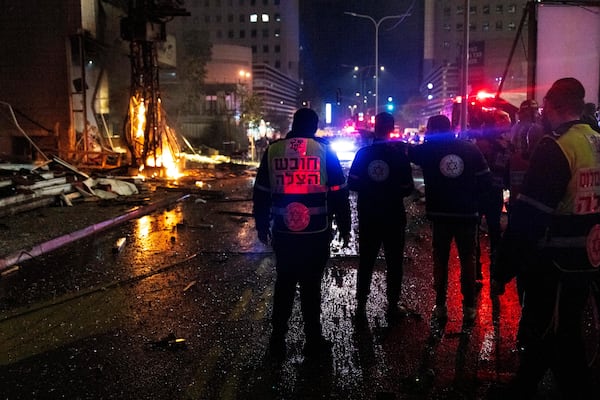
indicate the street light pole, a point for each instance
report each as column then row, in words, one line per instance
column 376, row 24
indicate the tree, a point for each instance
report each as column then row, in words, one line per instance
column 252, row 111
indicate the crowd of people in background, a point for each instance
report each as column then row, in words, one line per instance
column 548, row 162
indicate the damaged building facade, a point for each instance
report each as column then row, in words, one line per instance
column 68, row 75
column 65, row 79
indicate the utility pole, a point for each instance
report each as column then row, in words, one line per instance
column 143, row 27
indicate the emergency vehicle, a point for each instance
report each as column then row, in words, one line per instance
column 480, row 105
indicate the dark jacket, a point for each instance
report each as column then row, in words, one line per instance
column 382, row 176
column 455, row 174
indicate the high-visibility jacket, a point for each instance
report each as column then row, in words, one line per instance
column 298, row 180
column 573, row 238
column 303, row 180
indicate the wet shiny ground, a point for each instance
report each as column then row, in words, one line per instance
column 86, row 322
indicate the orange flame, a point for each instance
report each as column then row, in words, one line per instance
column 166, row 154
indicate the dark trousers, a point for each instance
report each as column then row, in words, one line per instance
column 300, row 261
column 491, row 207
column 550, row 335
column 373, row 233
column 464, row 233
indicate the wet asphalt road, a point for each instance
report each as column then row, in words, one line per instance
column 88, row 322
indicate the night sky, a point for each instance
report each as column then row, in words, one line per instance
column 331, row 42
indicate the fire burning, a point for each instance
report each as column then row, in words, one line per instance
column 153, row 142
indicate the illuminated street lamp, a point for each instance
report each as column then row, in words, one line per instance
column 359, row 74
column 376, row 24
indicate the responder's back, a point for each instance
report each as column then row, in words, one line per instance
column 455, row 173
column 297, row 181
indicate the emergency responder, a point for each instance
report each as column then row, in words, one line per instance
column 382, row 176
column 493, row 143
column 524, row 135
column 299, row 188
column 455, row 174
column 553, row 229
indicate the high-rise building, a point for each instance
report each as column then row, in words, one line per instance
column 493, row 30
column 270, row 29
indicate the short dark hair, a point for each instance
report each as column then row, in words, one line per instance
column 305, row 121
column 438, row 123
column 384, row 124
column 567, row 94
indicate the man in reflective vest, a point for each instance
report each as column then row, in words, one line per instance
column 551, row 244
column 299, row 188
column 382, row 176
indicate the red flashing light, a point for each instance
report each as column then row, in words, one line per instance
column 482, row 94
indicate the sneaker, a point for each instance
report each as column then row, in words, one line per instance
column 440, row 312
column 317, row 348
column 469, row 314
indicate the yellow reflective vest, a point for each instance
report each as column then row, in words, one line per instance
column 298, row 183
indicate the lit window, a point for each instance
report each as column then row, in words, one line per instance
column 447, row 27
column 511, row 8
column 277, row 33
column 460, row 10
column 485, row 26
column 253, row 17
column 278, row 17
column 265, row 17
column 511, row 26
column 486, row 9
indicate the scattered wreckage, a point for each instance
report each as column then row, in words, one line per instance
column 25, row 187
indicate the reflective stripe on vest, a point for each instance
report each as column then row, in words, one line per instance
column 581, row 147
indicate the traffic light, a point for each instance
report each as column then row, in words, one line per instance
column 390, row 105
